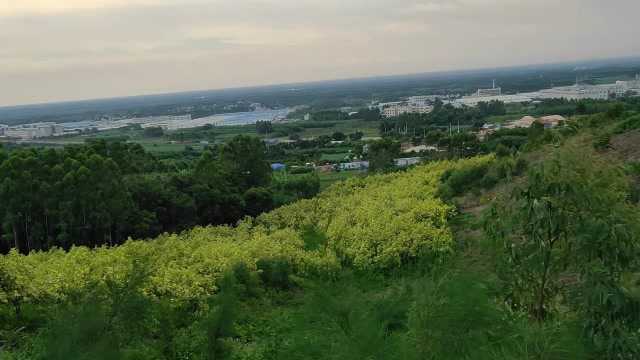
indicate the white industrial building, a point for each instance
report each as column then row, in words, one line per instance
column 423, row 99
column 33, row 131
column 576, row 92
column 355, row 165
column 630, row 85
column 591, row 92
column 494, row 91
column 573, row 92
column 390, row 110
column 488, row 95
column 406, row 162
column 507, row 99
column 167, row 122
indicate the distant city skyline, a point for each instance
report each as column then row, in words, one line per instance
column 84, row 49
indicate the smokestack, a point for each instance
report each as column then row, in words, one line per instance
column 494, row 83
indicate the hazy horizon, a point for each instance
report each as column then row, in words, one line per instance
column 92, row 49
column 320, row 81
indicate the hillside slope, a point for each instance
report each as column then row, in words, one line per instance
column 527, row 254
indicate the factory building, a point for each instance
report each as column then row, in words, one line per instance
column 397, row 109
column 488, row 95
column 33, row 131
column 166, row 122
column 494, row 91
column 578, row 92
column 630, row 85
column 475, row 100
column 422, row 99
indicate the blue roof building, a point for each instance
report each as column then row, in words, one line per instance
column 278, row 167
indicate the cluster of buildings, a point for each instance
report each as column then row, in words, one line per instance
column 413, row 105
column 595, row 92
column 474, row 100
column 579, row 92
column 166, row 122
column 32, row 131
column 423, row 104
column 363, row 165
column 408, row 148
column 573, row 92
column 525, row 122
column 400, row 108
column 588, row 92
column 494, row 91
column 355, row 165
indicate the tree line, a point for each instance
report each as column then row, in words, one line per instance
column 102, row 193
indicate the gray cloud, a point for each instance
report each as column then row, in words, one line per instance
column 97, row 48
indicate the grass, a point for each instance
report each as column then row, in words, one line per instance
column 501, row 119
column 161, row 147
column 326, row 179
column 172, row 142
column 333, row 157
column 369, row 128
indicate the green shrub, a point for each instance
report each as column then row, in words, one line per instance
column 502, row 151
column 454, row 318
column 631, row 123
column 275, row 273
column 602, row 141
column 301, row 170
column 457, row 181
column 248, row 281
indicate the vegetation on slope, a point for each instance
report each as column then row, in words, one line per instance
column 475, row 259
column 102, row 193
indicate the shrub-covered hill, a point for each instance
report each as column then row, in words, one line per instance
column 376, row 223
column 538, row 259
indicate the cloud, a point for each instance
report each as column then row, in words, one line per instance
column 432, row 7
column 251, row 35
column 78, row 47
column 25, row 7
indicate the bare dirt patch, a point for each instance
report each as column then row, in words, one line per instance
column 627, row 145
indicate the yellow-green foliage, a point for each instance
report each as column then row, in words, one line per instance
column 379, row 221
column 374, row 223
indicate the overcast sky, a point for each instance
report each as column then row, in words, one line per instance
column 54, row 50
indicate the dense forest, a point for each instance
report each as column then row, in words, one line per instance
column 104, row 192
column 529, row 252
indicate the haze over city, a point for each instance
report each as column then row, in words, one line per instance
column 79, row 49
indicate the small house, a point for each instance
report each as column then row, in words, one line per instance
column 406, row 162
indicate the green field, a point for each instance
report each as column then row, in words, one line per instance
column 176, row 141
column 514, row 112
column 333, row 157
column 501, row 119
column 369, row 128
column 326, row 179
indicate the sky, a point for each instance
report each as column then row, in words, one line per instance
column 82, row 49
